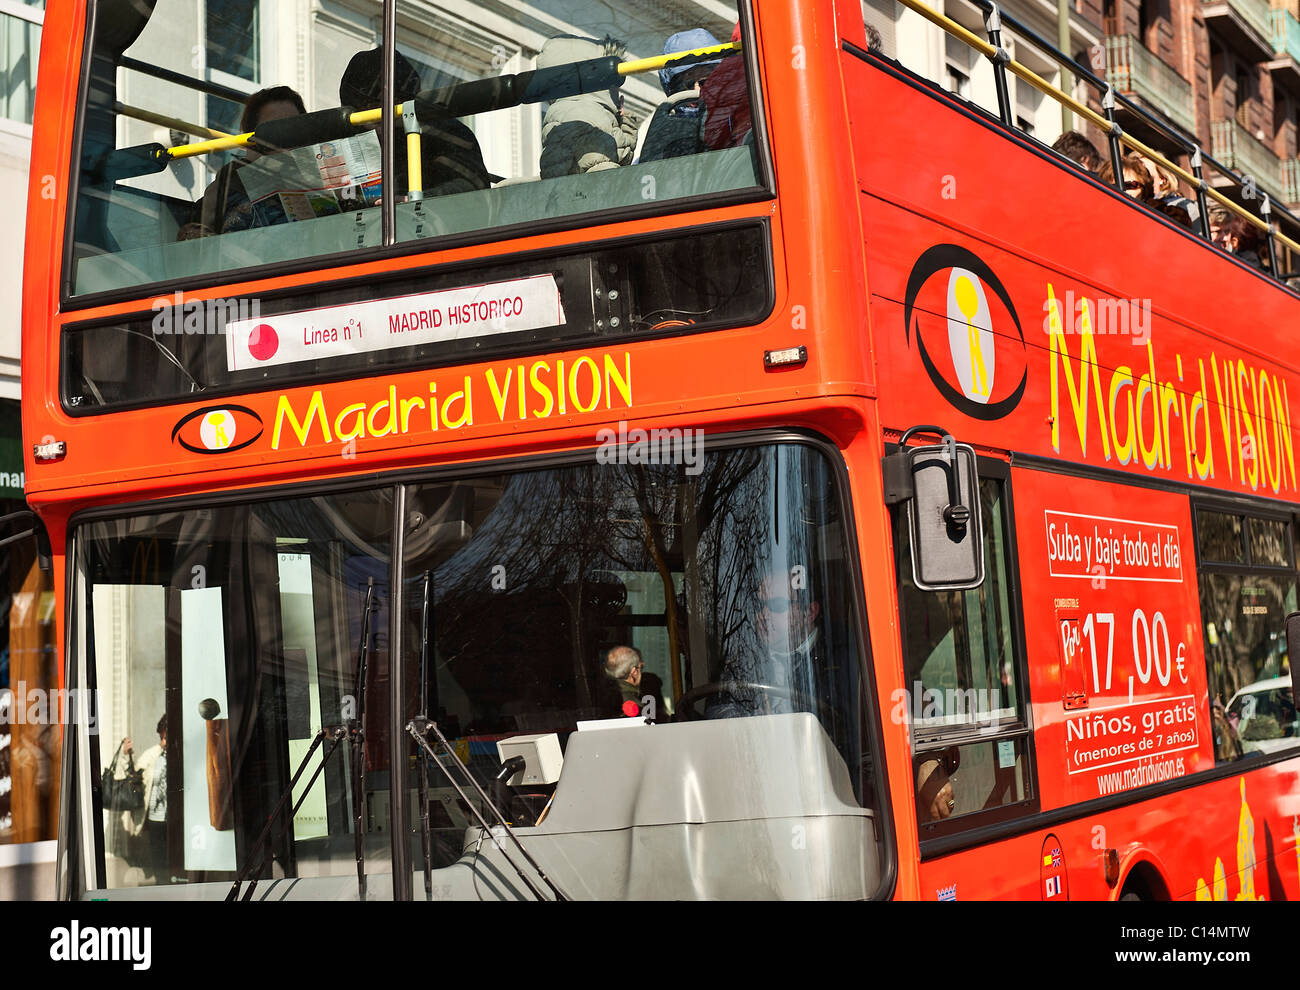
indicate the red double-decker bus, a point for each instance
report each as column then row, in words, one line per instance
column 677, row 453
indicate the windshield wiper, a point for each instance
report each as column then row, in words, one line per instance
column 424, row 763
column 354, row 731
column 419, row 728
column 357, row 742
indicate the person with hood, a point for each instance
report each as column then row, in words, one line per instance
column 676, row 127
column 451, row 160
column 589, row 132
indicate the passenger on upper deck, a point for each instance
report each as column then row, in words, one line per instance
column 675, row 128
column 591, row 131
column 225, row 205
column 1242, row 238
column 1078, row 148
column 450, row 158
column 1166, row 197
column 726, row 101
column 1137, row 181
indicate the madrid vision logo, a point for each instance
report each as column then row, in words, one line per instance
column 954, row 298
column 218, row 429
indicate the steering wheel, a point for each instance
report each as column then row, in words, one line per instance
column 685, row 707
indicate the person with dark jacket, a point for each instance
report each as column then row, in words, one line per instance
column 726, row 102
column 225, row 206
column 450, row 158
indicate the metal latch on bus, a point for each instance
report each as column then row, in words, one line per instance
column 939, row 488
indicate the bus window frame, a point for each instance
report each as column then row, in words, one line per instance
column 946, row 835
column 763, row 191
column 1245, row 509
column 87, row 796
column 377, row 281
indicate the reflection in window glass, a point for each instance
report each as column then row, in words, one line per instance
column 563, row 142
column 960, row 669
column 1249, row 670
column 221, row 640
column 1270, row 542
column 1220, row 537
column 729, row 582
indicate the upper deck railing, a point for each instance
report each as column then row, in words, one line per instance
column 1110, row 100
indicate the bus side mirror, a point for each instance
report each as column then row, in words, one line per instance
column 1293, row 650
column 939, row 487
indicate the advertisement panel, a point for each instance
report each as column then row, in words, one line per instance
column 1113, row 627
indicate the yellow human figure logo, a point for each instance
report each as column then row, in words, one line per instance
column 1245, row 859
column 968, row 302
column 1246, row 850
column 218, row 430
column 1295, row 834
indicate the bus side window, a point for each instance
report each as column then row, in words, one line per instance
column 1248, row 585
column 963, row 695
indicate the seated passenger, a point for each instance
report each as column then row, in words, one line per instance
column 1167, row 199
column 450, row 158
column 225, row 206
column 1137, row 181
column 675, row 129
column 726, row 102
column 624, row 666
column 589, row 132
column 1079, row 149
column 1242, row 238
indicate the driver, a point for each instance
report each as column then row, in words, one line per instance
column 789, row 656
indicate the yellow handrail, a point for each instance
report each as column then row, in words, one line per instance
column 362, row 117
column 1043, row 86
column 162, row 120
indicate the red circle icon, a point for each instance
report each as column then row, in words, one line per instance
column 631, row 709
column 263, row 342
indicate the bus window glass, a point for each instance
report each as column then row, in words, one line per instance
column 729, row 577
column 1244, row 607
column 221, row 640
column 1270, row 542
column 961, row 679
column 699, row 279
column 489, row 143
column 1249, row 670
column 1220, row 537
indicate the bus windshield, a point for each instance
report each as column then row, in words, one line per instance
column 556, row 608
column 511, row 117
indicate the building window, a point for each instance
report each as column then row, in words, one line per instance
column 959, row 61
column 1245, row 92
column 20, row 42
